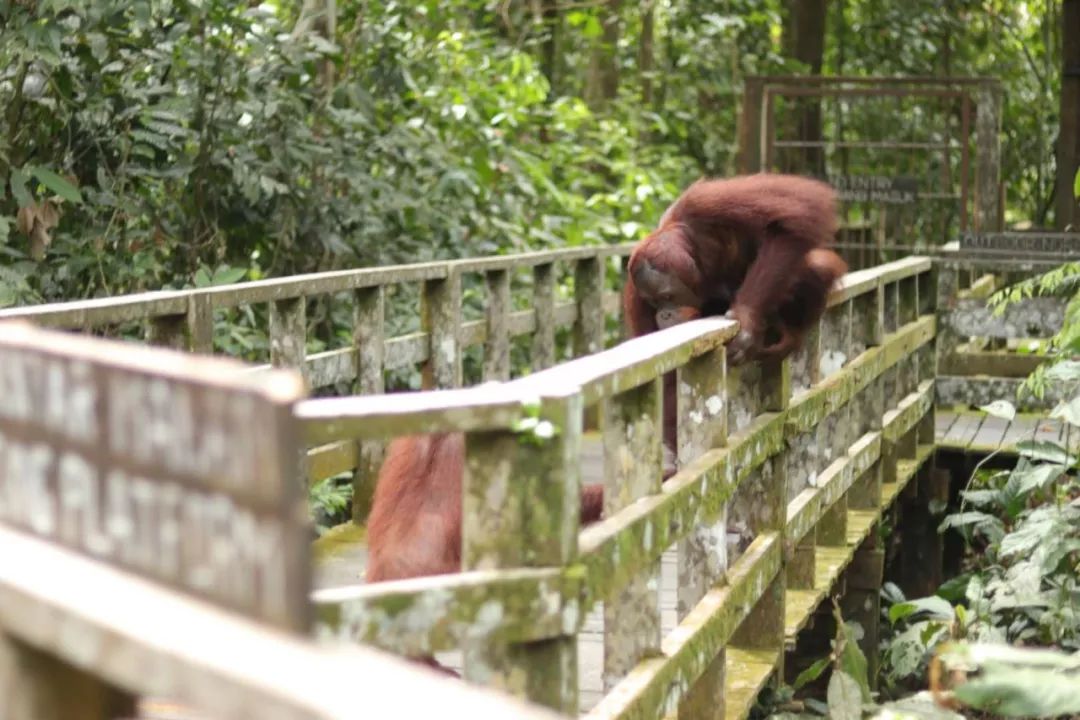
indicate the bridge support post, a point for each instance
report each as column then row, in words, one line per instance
column 38, row 686
column 764, row 509
column 369, row 318
column 632, row 469
column 702, row 556
column 497, row 342
column 440, row 318
column 861, row 601
column 543, row 341
column 520, row 508
column 588, row 331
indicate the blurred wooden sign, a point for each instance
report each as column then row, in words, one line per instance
column 902, row 190
column 182, row 469
column 1059, row 243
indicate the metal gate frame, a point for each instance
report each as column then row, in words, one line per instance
column 981, row 96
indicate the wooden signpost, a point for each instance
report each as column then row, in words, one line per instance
column 154, row 544
column 902, row 190
column 1024, row 242
column 179, row 468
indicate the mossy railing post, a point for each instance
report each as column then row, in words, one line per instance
column 837, row 329
column 946, row 292
column 200, row 322
column 288, row 333
column 369, row 320
column 763, row 510
column 543, row 341
column 288, row 349
column 497, row 342
column 632, row 469
column 440, row 318
column 702, row 556
column 193, row 330
column 861, row 602
column 521, row 508
column 588, row 333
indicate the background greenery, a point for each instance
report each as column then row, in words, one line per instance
column 164, row 143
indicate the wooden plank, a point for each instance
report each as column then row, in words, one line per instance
column 943, row 422
column 1022, row 428
column 1048, row 430
column 181, row 468
column 995, row 364
column 747, row 672
column 155, row 642
column 990, row 433
column 965, row 428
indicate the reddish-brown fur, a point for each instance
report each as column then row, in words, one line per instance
column 415, row 524
column 756, row 247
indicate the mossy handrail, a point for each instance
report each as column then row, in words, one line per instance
column 531, row 573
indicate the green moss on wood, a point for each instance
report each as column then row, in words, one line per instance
column 338, row 540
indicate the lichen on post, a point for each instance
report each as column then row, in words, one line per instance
column 632, row 469
column 521, row 508
column 369, row 318
column 440, row 318
column 497, row 341
column 702, row 556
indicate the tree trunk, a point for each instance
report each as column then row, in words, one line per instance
column 646, row 52
column 551, row 19
column 603, row 82
column 1067, row 210
column 804, row 40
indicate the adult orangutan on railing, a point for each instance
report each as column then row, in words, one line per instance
column 753, row 247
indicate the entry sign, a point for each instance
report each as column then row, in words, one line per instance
column 1026, row 241
column 182, row 469
column 875, row 189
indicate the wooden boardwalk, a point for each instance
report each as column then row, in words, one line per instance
column 342, row 555
column 977, row 432
column 343, row 564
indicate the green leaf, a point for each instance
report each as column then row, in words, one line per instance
column 1076, row 185
column 1000, row 408
column 811, row 673
column 56, row 184
column 955, row 589
column 1028, row 535
column 1068, row 411
column 226, row 275
column 844, row 696
column 1038, row 477
column 920, row 706
column 5, row 229
column 1044, row 450
column 933, row 606
column 18, row 188
column 1022, row 692
column 1064, row 370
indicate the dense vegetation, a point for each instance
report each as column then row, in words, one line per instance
column 150, row 144
column 164, row 143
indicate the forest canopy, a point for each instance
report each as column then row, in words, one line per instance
column 150, row 144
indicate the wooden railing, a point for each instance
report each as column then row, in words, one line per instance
column 152, row 547
column 785, row 471
column 184, row 319
column 800, row 459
